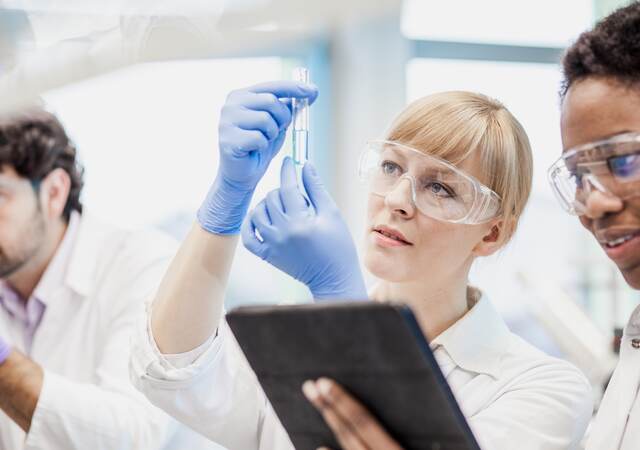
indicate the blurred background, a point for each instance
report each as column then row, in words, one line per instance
column 139, row 85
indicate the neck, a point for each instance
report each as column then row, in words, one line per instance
column 25, row 279
column 436, row 307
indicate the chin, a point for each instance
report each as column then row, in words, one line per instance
column 632, row 277
column 385, row 268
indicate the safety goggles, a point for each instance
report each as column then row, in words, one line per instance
column 438, row 188
column 610, row 166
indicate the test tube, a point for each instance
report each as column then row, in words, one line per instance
column 300, row 128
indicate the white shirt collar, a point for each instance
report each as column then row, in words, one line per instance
column 478, row 340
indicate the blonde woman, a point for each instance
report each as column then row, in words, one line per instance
column 447, row 185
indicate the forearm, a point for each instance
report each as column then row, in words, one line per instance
column 20, row 387
column 73, row 415
column 188, row 306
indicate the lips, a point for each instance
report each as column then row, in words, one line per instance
column 614, row 237
column 621, row 244
column 392, row 234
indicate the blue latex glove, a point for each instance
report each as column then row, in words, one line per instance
column 253, row 126
column 5, row 350
column 314, row 246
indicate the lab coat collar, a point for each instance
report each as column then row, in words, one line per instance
column 84, row 263
column 478, row 340
column 54, row 275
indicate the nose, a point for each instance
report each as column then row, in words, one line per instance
column 400, row 198
column 598, row 204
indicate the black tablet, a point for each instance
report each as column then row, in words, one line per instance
column 375, row 350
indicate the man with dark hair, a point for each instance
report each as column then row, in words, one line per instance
column 71, row 289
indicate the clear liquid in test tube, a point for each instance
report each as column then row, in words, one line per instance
column 300, row 128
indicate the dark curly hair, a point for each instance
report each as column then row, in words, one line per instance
column 611, row 50
column 35, row 143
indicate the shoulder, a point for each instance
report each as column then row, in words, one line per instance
column 518, row 362
column 530, row 367
column 117, row 256
column 104, row 238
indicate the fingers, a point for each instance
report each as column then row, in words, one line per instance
column 247, row 119
column 275, row 208
column 287, row 89
column 261, row 221
column 267, row 102
column 250, row 240
column 318, row 195
column 241, row 141
column 345, row 436
column 349, row 416
column 277, row 144
column 292, row 199
column 263, row 112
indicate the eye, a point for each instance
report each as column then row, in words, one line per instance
column 625, row 166
column 390, row 168
column 440, row 190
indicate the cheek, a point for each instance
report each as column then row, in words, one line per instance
column 450, row 243
column 375, row 204
column 17, row 217
column 585, row 221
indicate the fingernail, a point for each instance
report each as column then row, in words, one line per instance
column 312, row 169
column 324, row 386
column 309, row 390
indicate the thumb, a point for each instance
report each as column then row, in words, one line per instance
column 318, row 195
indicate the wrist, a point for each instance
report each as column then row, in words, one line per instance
column 225, row 207
column 352, row 289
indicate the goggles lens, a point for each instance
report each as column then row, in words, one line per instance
column 611, row 166
column 438, row 189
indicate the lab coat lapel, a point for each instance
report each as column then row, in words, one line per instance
column 618, row 400
column 82, row 275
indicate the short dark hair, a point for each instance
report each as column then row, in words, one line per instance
column 610, row 50
column 35, row 143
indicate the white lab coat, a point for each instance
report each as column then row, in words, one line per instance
column 83, row 344
column 514, row 396
column 617, row 425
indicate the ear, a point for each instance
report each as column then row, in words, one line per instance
column 54, row 192
column 491, row 241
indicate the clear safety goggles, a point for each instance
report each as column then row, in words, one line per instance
column 610, row 166
column 438, row 188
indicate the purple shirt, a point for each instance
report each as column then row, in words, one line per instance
column 29, row 313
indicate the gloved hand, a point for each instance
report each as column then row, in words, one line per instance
column 253, row 126
column 314, row 246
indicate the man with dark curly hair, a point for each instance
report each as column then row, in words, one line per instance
column 598, row 179
column 71, row 289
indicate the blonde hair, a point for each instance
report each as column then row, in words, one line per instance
column 454, row 125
